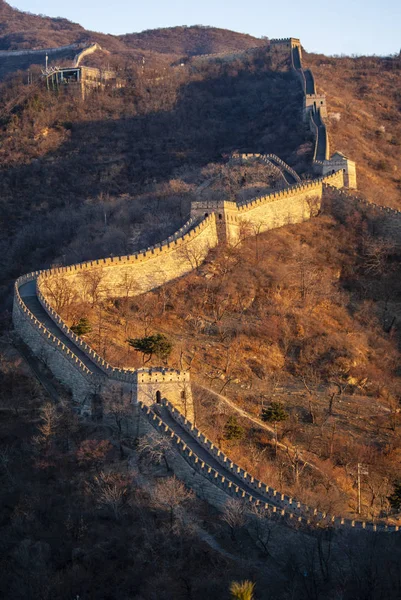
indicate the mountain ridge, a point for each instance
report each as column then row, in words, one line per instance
column 21, row 30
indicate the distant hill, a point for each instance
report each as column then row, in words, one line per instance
column 193, row 40
column 20, row 30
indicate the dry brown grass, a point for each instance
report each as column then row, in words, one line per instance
column 282, row 319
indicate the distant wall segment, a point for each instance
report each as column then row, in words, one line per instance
column 315, row 111
column 295, row 204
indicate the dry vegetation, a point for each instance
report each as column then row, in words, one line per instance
column 83, row 515
column 298, row 315
column 364, row 103
column 77, row 176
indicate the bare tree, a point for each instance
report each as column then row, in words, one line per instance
column 193, row 253
column 171, row 494
column 310, row 378
column 313, row 203
column 110, row 491
column 146, row 314
column 297, row 464
column 234, row 515
column 154, row 448
column 93, row 285
column 60, row 293
column 375, row 255
column 49, row 425
column 261, row 527
column 128, row 283
column 118, row 405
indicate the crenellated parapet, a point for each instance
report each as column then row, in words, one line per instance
column 238, row 483
column 294, row 204
column 284, row 43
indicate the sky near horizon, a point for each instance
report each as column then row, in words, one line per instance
column 340, row 27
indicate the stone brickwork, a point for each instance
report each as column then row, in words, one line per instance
column 295, row 204
column 63, row 363
column 153, row 267
column 147, row 269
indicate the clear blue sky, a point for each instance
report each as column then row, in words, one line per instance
column 343, row 26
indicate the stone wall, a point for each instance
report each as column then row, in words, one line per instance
column 210, row 223
column 294, row 204
column 86, row 52
column 178, row 255
column 143, row 271
column 276, row 505
column 64, row 365
column 11, row 53
column 315, row 110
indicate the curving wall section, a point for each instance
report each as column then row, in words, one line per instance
column 86, row 52
column 73, row 361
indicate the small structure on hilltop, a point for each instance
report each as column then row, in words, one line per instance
column 81, row 78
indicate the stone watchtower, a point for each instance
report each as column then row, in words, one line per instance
column 286, row 44
column 338, row 162
column 226, row 215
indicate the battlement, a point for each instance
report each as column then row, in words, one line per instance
column 180, row 238
column 287, row 42
column 315, row 111
column 158, row 374
column 251, row 491
column 192, row 240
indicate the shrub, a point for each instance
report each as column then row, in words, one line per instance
column 232, row 430
column 157, row 344
column 82, row 327
column 242, row 590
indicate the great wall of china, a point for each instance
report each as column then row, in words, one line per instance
column 161, row 398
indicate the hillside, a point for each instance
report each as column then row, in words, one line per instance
column 191, row 40
column 60, row 152
column 297, row 315
column 20, row 30
column 364, row 106
column 281, row 346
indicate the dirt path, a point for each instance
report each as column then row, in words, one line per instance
column 260, row 424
